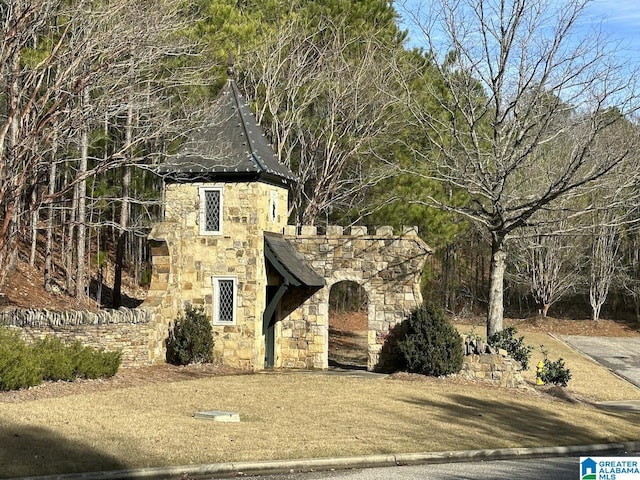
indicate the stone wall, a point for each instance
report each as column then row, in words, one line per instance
column 302, row 336
column 387, row 266
column 124, row 329
column 184, row 262
column 497, row 368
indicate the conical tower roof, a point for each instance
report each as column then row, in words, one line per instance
column 230, row 146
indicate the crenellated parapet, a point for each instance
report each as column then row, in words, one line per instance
column 353, row 231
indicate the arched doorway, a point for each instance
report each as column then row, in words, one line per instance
column 348, row 326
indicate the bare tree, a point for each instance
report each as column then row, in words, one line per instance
column 82, row 199
column 522, row 123
column 51, row 190
column 322, row 95
column 604, row 259
column 546, row 261
column 124, row 213
column 52, row 53
column 630, row 271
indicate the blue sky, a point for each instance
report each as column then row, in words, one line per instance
column 619, row 19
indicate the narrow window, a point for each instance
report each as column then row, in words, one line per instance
column 273, row 206
column 224, row 300
column 210, row 211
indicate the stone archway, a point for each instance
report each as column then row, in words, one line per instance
column 348, row 329
column 387, row 266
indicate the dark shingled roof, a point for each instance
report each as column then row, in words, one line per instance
column 289, row 263
column 230, row 146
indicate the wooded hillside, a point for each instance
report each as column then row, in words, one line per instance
column 509, row 139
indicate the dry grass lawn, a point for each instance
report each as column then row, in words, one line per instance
column 113, row 426
column 589, row 380
column 288, row 415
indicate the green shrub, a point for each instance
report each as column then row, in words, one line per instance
column 62, row 361
column 515, row 347
column 91, row 363
column 55, row 361
column 23, row 366
column 191, row 339
column 18, row 366
column 431, row 345
column 555, row 372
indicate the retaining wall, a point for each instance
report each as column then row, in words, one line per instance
column 493, row 367
column 127, row 330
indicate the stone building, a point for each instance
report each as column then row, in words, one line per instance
column 224, row 244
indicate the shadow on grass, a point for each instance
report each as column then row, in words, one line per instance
column 30, row 451
column 505, row 419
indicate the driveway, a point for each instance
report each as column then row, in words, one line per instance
column 621, row 355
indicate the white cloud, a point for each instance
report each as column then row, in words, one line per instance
column 619, row 20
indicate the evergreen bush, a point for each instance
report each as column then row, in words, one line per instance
column 18, row 366
column 431, row 345
column 515, row 347
column 191, row 339
column 23, row 365
column 62, row 361
column 55, row 360
column 91, row 363
column 555, row 372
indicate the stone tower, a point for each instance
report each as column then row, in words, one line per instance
column 224, row 192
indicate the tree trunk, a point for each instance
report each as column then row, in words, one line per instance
column 70, row 238
column 545, row 309
column 48, row 256
column 445, row 277
column 10, row 199
column 124, row 216
column 82, row 208
column 35, row 216
column 495, row 311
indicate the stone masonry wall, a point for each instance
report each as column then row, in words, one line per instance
column 497, row 368
column 185, row 261
column 124, row 329
column 388, row 267
column 302, row 337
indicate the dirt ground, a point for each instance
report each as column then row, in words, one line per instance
column 357, row 321
column 348, row 339
column 23, row 289
column 586, row 327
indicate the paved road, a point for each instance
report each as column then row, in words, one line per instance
column 547, row 468
column 622, row 355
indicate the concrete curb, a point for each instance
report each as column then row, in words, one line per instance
column 271, row 467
